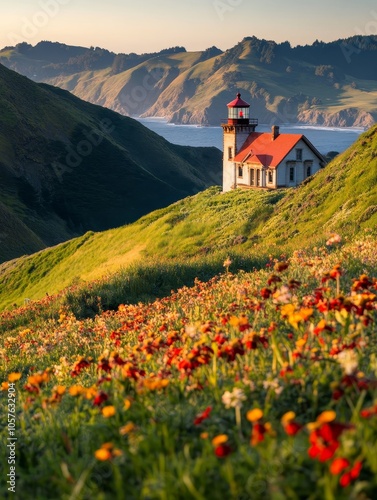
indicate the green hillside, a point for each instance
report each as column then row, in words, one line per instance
column 318, row 84
column 200, row 231
column 67, row 166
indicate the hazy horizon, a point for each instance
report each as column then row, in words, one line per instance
column 122, row 26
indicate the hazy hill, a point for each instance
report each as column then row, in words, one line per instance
column 67, row 166
column 324, row 83
column 210, row 225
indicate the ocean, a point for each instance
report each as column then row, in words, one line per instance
column 325, row 139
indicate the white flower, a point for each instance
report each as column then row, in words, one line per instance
column 233, row 399
column 283, row 295
column 348, row 359
column 273, row 384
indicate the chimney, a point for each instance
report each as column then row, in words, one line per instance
column 275, row 132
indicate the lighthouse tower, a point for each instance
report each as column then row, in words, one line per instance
column 236, row 130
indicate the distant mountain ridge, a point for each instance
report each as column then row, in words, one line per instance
column 68, row 166
column 324, row 83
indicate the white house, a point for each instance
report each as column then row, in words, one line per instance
column 264, row 160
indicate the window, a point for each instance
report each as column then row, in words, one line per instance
column 230, row 154
column 258, row 177
column 252, row 176
column 291, row 174
column 240, row 171
column 308, row 167
column 270, row 177
column 299, row 154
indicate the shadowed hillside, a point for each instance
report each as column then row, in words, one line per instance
column 67, row 166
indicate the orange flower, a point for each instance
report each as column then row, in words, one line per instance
column 107, row 452
column 12, row 377
column 76, row 390
column 220, row 439
column 126, row 429
column 254, row 415
column 108, row 411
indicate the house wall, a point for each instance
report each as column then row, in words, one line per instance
column 283, row 178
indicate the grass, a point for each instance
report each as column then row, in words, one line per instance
column 221, row 389
column 214, row 224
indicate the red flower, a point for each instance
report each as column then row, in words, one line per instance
column 203, row 416
column 223, row 450
column 266, row 293
column 100, row 398
column 292, row 428
column 338, row 465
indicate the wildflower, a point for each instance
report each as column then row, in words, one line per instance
column 282, row 295
column 333, row 240
column 108, row 411
column 76, row 390
column 227, row 263
column 80, row 364
column 233, row 399
column 273, row 384
column 340, row 465
column 220, row 439
column 361, row 283
column 222, row 449
column 203, row 416
column 281, row 266
column 369, row 412
column 127, row 404
column 289, row 423
column 13, row 377
column 324, row 436
column 254, row 415
column 348, row 360
column 107, row 452
column 126, row 429
column 100, row 398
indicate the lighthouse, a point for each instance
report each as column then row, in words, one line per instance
column 236, row 130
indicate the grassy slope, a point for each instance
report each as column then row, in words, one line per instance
column 340, row 198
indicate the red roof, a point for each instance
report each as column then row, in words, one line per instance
column 261, row 149
column 238, row 103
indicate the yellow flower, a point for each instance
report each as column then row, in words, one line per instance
column 254, row 415
column 4, row 386
column 12, row 377
column 326, row 416
column 288, row 417
column 108, row 411
column 220, row 439
column 126, row 429
column 127, row 404
column 204, row 435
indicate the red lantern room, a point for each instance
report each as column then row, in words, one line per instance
column 238, row 112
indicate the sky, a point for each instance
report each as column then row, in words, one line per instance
column 152, row 25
